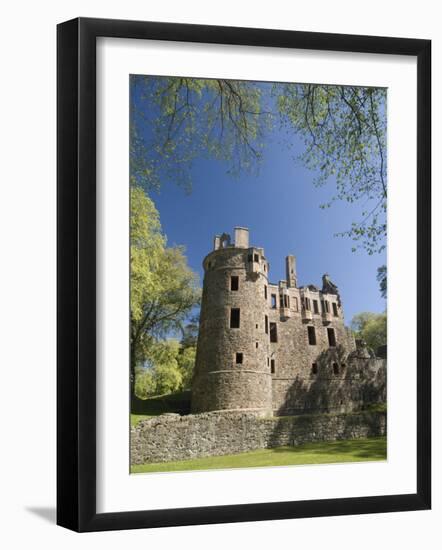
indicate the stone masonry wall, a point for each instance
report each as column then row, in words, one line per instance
column 171, row 437
column 341, row 384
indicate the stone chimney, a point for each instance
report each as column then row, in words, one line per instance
column 241, row 237
column 290, row 268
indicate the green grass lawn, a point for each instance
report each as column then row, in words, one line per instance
column 352, row 450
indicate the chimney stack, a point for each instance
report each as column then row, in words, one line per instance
column 241, row 237
column 290, row 267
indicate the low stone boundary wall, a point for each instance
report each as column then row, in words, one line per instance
column 171, row 437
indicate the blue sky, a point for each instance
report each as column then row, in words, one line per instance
column 280, row 206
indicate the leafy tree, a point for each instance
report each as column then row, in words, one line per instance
column 147, row 245
column 189, row 118
column 344, row 130
column 168, row 379
column 167, row 369
column 144, row 382
column 166, row 373
column 163, row 288
column 343, row 127
column 382, row 280
column 360, row 320
column 375, row 332
column 186, row 363
column 371, row 327
column 190, row 333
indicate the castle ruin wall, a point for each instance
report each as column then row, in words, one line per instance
column 171, row 437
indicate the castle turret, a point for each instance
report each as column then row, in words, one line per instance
column 232, row 370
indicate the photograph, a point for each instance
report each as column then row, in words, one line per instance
column 258, row 273
column 221, row 218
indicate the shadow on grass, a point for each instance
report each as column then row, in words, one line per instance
column 373, row 448
column 154, row 406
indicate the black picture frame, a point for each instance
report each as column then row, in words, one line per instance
column 76, row 274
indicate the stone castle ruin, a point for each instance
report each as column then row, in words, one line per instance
column 277, row 351
column 276, row 348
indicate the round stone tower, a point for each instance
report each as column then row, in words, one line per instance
column 232, row 370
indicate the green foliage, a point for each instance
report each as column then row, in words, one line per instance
column 190, row 333
column 186, row 363
column 361, row 319
column 191, row 117
column 169, row 368
column 166, row 374
column 163, row 292
column 382, row 280
column 147, row 246
column 371, row 327
column 344, row 130
column 343, row 127
column 168, row 378
column 375, row 332
column 144, row 383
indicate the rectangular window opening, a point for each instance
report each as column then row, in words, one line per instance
column 335, row 368
column 295, row 306
column 272, row 366
column 273, row 333
column 311, row 335
column 234, row 317
column 256, row 258
column 331, row 337
column 315, row 306
column 273, row 301
column 239, row 358
column 265, row 292
column 335, row 309
column 234, row 282
column 256, row 345
column 315, row 368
